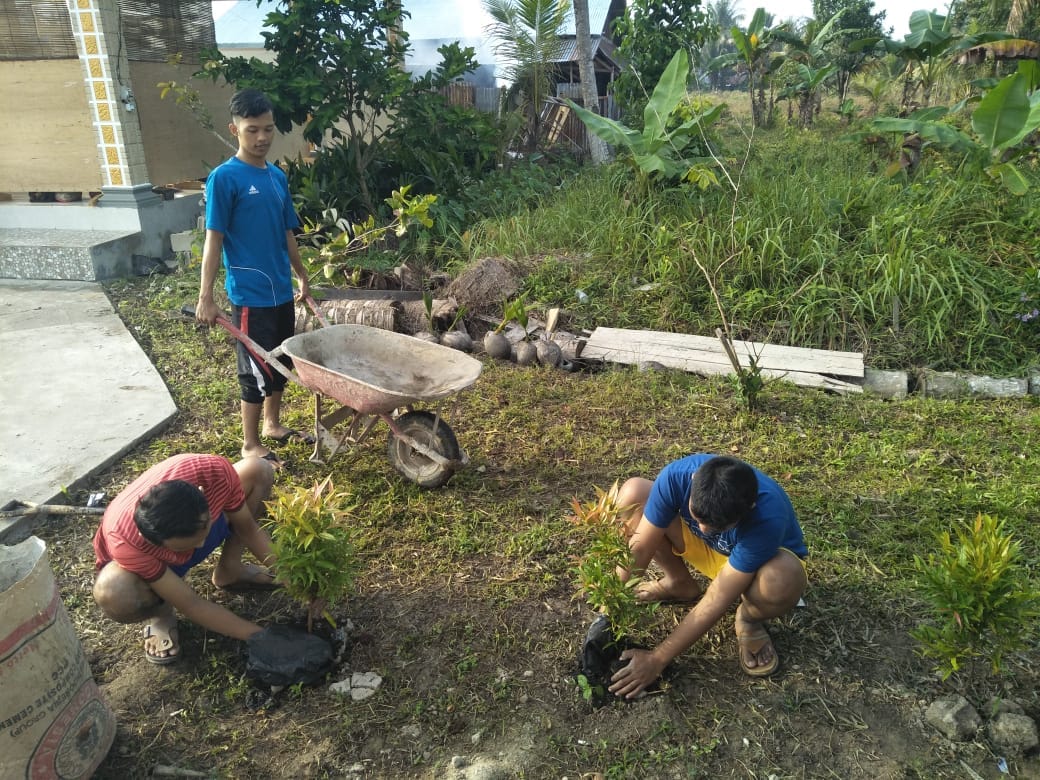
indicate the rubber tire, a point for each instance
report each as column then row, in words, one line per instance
column 414, row 466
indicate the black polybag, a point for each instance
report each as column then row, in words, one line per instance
column 282, row 655
column 599, row 651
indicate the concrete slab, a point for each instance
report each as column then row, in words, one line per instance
column 76, row 391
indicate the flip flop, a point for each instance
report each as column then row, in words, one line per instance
column 274, row 459
column 169, row 644
column 761, row 636
column 652, row 592
column 291, row 434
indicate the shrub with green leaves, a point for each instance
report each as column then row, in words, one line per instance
column 984, row 605
column 317, row 558
column 597, row 570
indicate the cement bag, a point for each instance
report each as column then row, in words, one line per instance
column 53, row 721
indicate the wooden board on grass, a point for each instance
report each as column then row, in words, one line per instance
column 705, row 355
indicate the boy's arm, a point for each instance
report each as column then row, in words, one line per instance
column 207, row 310
column 176, row 592
column 297, row 263
column 252, row 535
column 646, row 666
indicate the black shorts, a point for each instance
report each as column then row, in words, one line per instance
column 268, row 326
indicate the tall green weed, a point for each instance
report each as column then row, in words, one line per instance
column 811, row 245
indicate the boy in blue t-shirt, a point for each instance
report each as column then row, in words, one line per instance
column 736, row 526
column 249, row 224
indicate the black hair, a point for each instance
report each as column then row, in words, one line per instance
column 169, row 510
column 723, row 492
column 249, row 103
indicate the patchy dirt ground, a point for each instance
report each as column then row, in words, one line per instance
column 847, row 703
column 466, row 610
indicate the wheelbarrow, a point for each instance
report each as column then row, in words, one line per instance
column 375, row 374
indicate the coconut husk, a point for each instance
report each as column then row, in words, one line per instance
column 486, row 285
column 413, row 315
column 375, row 313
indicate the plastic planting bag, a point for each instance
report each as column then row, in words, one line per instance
column 53, row 721
column 281, row 655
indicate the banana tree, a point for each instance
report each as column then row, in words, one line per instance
column 806, row 88
column 814, row 63
column 1007, row 114
column 660, row 150
column 755, row 53
column 927, row 50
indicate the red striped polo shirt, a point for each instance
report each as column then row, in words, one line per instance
column 117, row 538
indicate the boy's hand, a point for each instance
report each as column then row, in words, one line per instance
column 207, row 311
column 642, row 669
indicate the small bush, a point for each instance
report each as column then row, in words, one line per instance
column 316, row 554
column 983, row 604
column 608, row 552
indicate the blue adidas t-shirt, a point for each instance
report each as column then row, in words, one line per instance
column 772, row 524
column 252, row 208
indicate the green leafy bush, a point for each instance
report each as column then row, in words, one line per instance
column 983, row 604
column 597, row 570
column 317, row 559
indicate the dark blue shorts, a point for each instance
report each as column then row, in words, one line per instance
column 268, row 326
column 218, row 532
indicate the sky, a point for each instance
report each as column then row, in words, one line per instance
column 897, row 12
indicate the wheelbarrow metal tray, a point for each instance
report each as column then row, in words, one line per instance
column 375, row 371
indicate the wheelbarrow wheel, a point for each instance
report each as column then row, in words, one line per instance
column 428, row 430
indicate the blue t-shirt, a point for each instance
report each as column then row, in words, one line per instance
column 772, row 524
column 252, row 208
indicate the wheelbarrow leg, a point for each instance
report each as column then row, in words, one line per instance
column 316, row 455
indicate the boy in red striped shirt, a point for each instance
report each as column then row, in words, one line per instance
column 165, row 522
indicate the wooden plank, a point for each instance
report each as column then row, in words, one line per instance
column 661, row 346
column 710, row 359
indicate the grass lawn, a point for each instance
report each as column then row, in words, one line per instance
column 466, row 604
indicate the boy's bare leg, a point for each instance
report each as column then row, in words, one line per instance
column 774, row 591
column 257, row 478
column 272, row 422
column 251, row 444
column 677, row 584
column 126, row 598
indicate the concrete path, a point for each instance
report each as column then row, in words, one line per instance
column 76, row 391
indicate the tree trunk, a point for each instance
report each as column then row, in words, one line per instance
column 589, row 92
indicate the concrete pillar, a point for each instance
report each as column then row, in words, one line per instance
column 106, row 74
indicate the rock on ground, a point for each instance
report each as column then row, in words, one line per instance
column 954, row 717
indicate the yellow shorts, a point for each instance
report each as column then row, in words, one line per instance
column 704, row 559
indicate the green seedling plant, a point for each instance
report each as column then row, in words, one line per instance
column 608, row 553
column 317, row 557
column 982, row 602
column 588, row 690
column 495, row 342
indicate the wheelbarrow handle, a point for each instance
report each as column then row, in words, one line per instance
column 269, row 357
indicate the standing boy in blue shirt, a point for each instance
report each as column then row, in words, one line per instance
column 249, row 225
column 736, row 526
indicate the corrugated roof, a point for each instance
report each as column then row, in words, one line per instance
column 603, row 46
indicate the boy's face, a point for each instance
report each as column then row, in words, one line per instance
column 186, row 543
column 254, row 134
